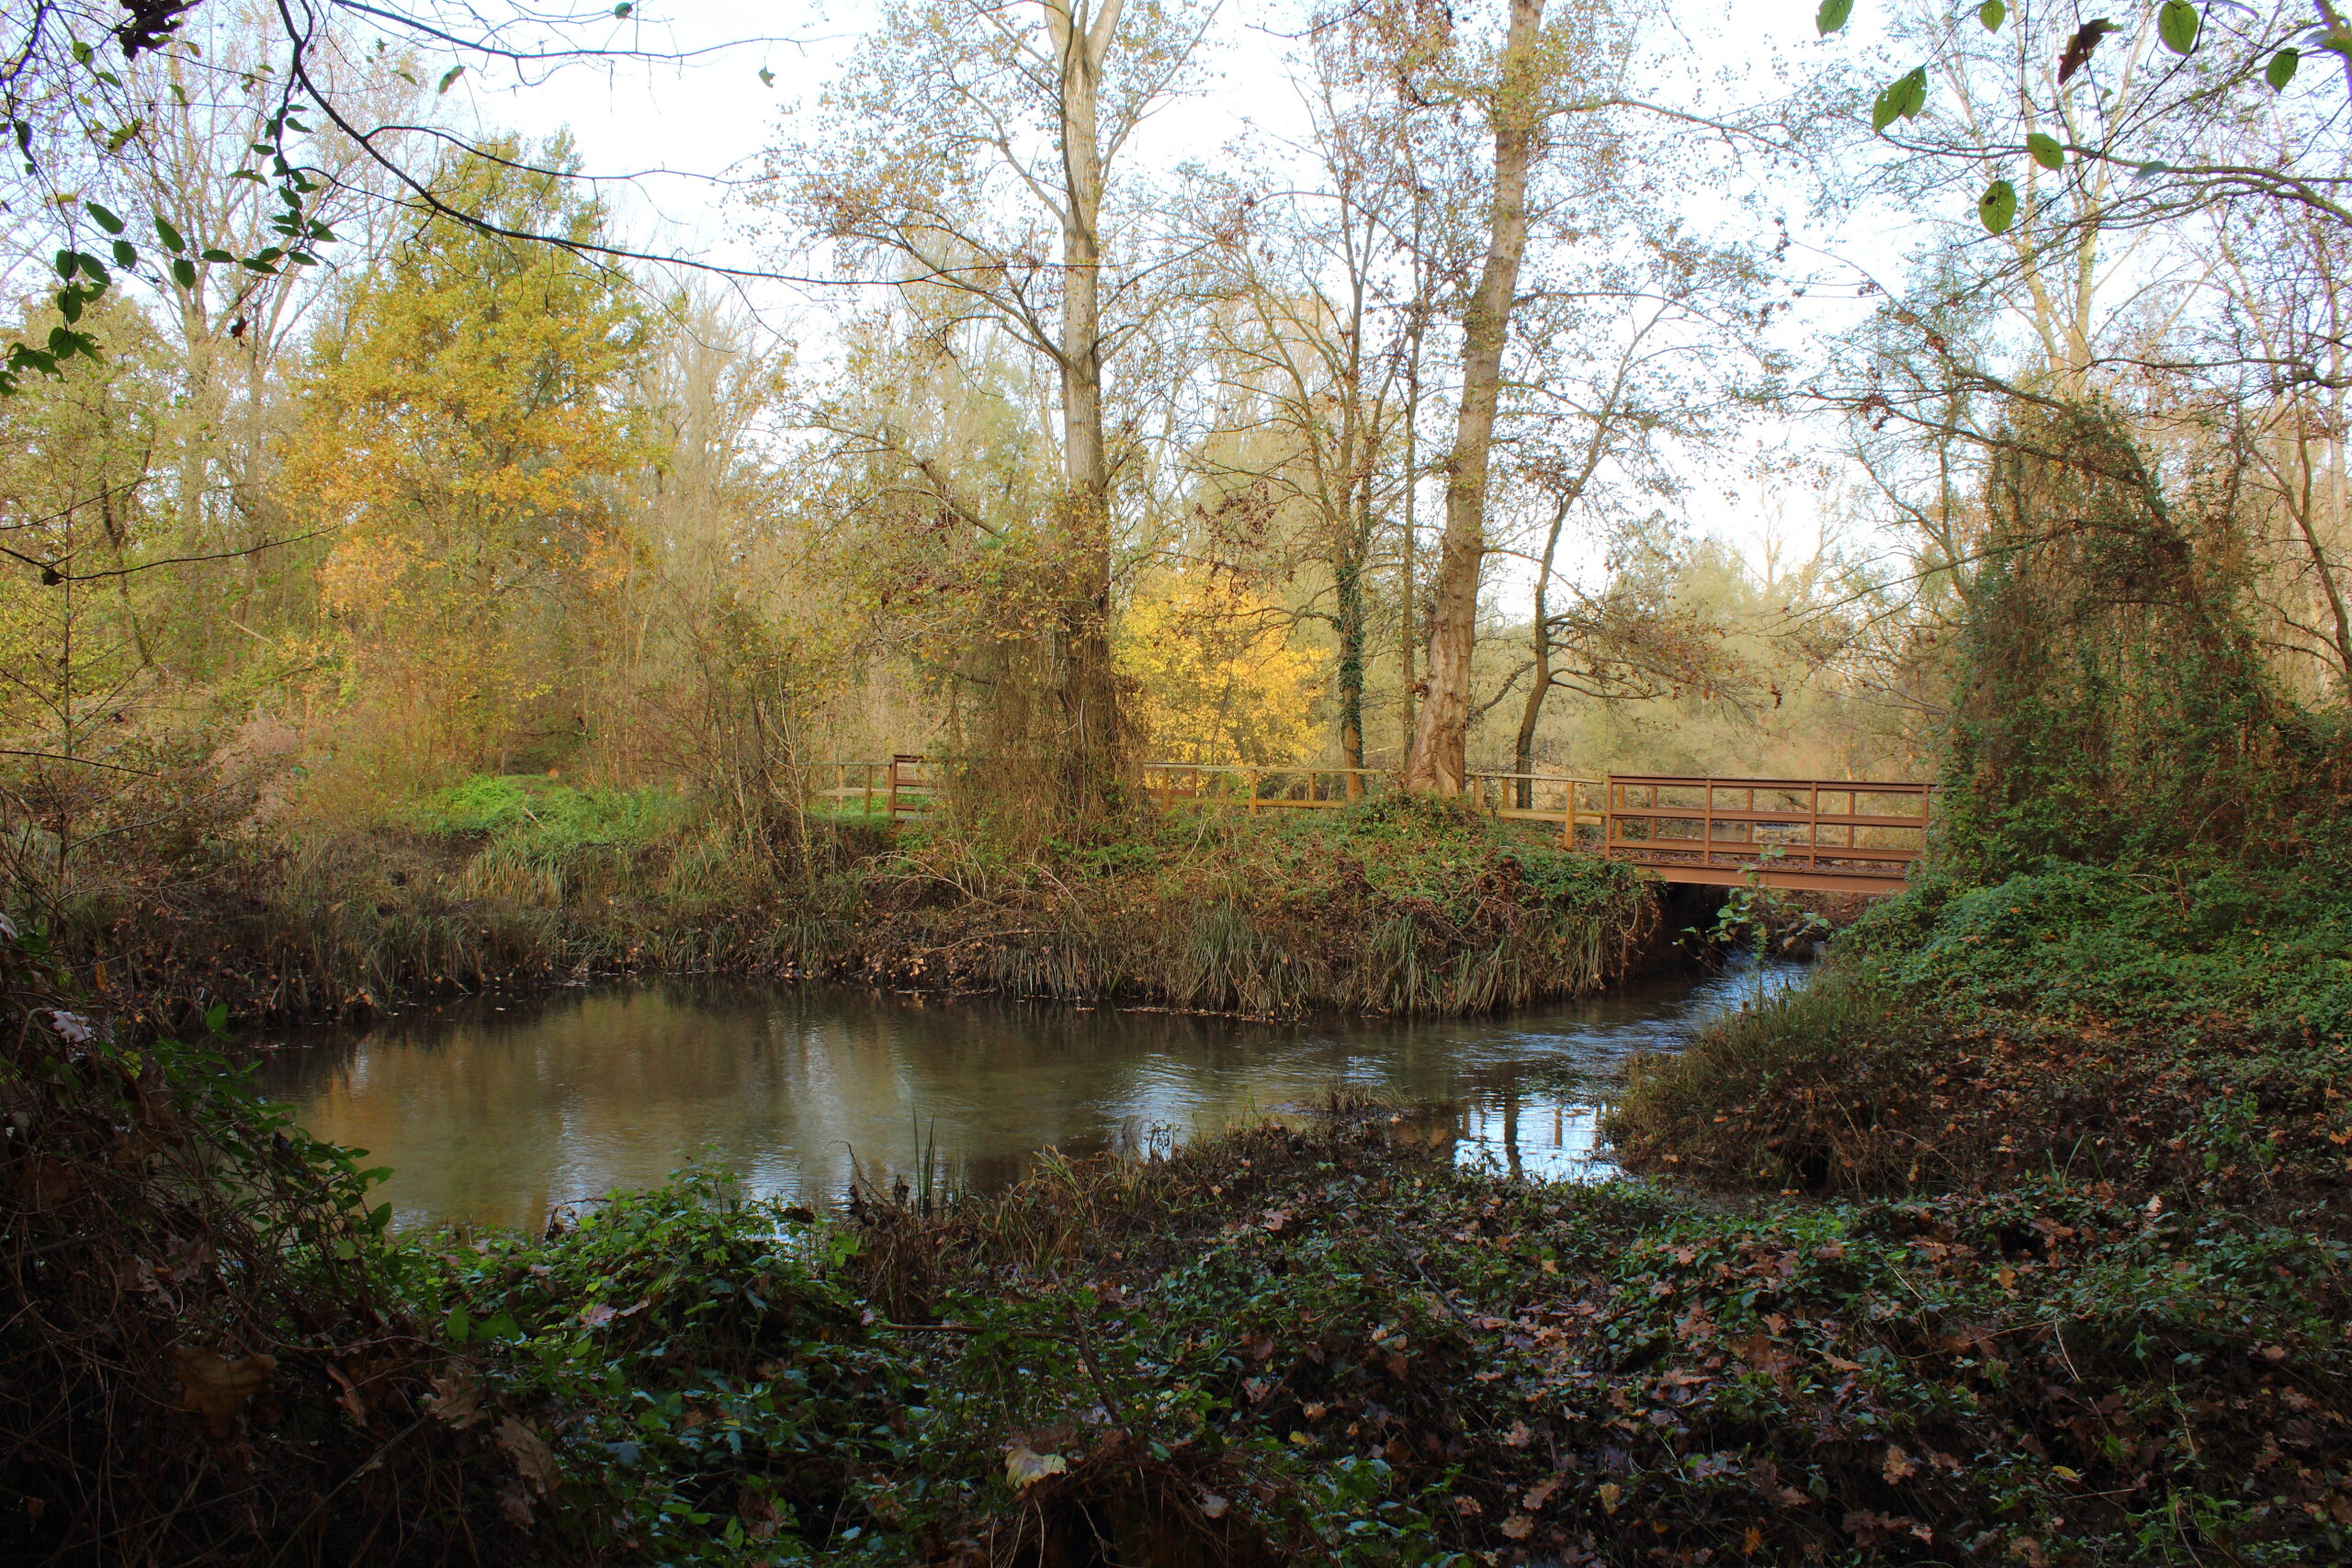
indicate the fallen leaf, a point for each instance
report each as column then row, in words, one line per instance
column 1213, row 1505
column 1539, row 1494
column 598, row 1316
column 1898, row 1465
column 1466, row 1506
column 1024, row 1467
column 1610, row 1495
column 534, row 1460
column 1519, row 1437
column 1519, row 1527
column 218, row 1388
column 455, row 1400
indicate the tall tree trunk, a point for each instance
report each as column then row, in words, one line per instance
column 1523, row 754
column 1090, row 762
column 1409, row 631
column 1348, row 612
column 1441, row 737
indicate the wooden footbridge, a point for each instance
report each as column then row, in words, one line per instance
column 1816, row 835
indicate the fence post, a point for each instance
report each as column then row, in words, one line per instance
column 1707, row 834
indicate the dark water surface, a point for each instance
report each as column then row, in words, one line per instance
column 493, row 1112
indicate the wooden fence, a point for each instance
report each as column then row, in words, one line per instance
column 1819, row 834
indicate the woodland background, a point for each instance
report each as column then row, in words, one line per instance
column 495, row 489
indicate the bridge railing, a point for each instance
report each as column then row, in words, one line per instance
column 1824, row 834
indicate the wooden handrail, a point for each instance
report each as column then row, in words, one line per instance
column 1801, row 857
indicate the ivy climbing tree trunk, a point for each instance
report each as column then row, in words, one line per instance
column 1441, row 733
column 1091, row 761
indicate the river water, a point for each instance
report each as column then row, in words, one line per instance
column 493, row 1111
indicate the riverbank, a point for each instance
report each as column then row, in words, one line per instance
column 2188, row 1038
column 1329, row 1344
column 1395, row 905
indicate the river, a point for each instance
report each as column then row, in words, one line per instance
column 493, row 1111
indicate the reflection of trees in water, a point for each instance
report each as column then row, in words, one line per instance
column 490, row 1109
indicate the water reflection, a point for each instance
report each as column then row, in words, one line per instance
column 493, row 1112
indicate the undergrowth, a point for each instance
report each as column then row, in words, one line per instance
column 2187, row 1032
column 1395, row 906
column 1400, row 904
column 1322, row 1346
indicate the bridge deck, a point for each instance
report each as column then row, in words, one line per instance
column 1818, row 835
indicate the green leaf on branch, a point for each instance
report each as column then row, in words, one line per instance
column 2046, row 150
column 93, row 268
column 103, row 217
column 2281, row 69
column 1903, row 99
column 449, row 78
column 1997, row 208
column 184, row 272
column 125, row 253
column 219, row 257
column 67, row 263
column 170, row 236
column 1832, row 15
column 2179, row 23
column 69, row 305
column 1992, row 13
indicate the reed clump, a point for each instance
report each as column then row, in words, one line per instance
column 1394, row 906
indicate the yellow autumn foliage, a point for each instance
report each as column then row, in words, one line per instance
column 467, row 438
column 1216, row 677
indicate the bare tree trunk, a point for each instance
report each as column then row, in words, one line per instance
column 1523, row 754
column 1441, row 737
column 1091, row 763
column 1409, row 632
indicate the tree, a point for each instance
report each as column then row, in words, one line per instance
column 1319, row 294
column 1437, row 764
column 467, row 430
column 970, row 142
column 1216, row 677
column 77, row 527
